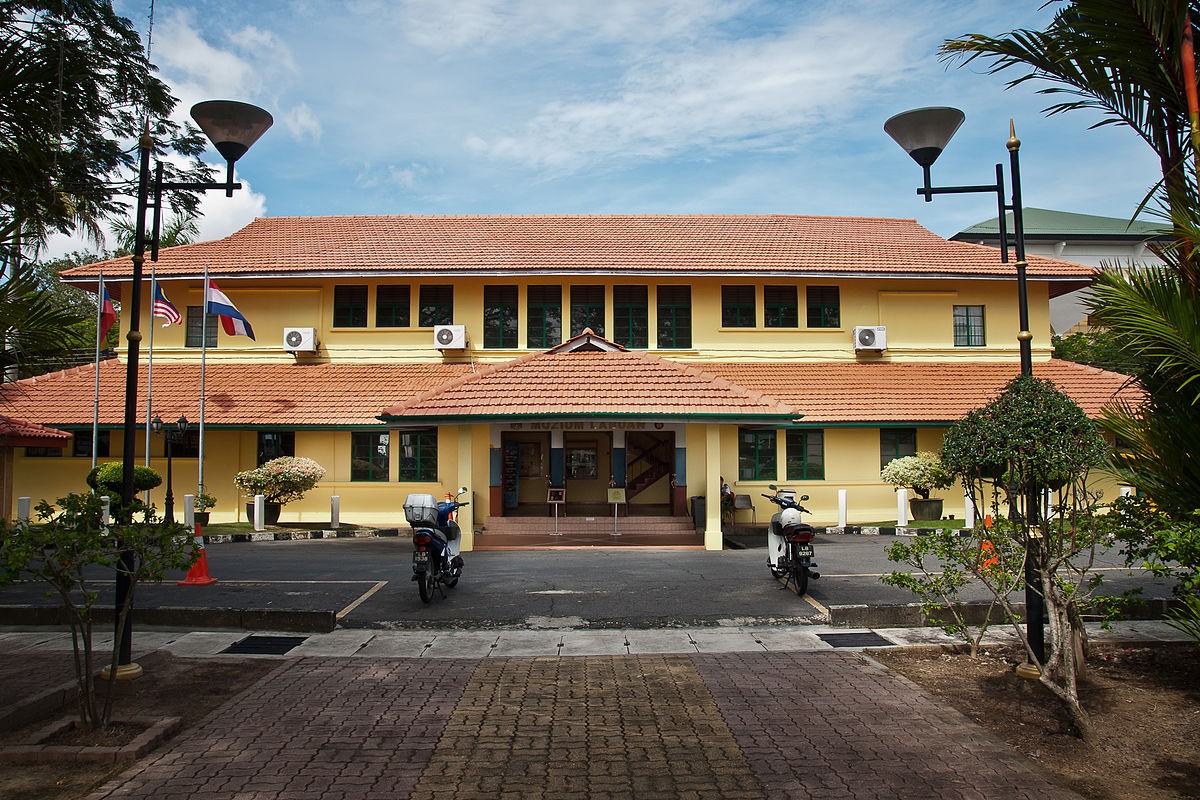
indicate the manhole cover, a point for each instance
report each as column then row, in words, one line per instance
column 264, row 645
column 868, row 639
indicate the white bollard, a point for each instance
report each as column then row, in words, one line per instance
column 841, row 508
column 260, row 512
column 335, row 511
column 105, row 513
column 23, row 505
column 970, row 504
column 189, row 511
column 901, row 507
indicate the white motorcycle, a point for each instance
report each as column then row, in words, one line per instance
column 789, row 541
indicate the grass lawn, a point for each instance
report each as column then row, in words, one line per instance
column 939, row 524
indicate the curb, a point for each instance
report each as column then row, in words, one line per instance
column 252, row 619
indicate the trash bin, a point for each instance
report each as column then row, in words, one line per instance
column 699, row 511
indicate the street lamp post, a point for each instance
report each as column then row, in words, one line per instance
column 232, row 127
column 924, row 134
column 169, row 435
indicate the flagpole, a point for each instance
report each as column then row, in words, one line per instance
column 203, row 357
column 96, row 394
column 150, row 372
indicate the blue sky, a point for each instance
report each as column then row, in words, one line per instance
column 622, row 106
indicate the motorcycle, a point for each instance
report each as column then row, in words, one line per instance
column 789, row 541
column 436, row 541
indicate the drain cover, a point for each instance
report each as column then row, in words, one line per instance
column 264, row 645
column 868, row 639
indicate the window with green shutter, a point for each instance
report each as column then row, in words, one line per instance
column 631, row 317
column 674, row 317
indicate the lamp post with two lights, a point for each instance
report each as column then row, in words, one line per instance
column 170, row 434
column 924, row 134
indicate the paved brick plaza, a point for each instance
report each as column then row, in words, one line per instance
column 803, row 724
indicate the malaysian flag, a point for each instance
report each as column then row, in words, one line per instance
column 165, row 308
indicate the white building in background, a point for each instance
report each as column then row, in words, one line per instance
column 1081, row 238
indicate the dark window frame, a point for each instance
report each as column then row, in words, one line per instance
column 500, row 307
column 266, row 451
column 422, row 465
column 393, row 305
column 970, row 326
column 435, row 305
column 739, row 307
column 350, row 305
column 781, row 306
column 896, row 443
column 543, row 326
column 758, row 454
column 192, row 322
column 587, row 309
column 631, row 316
column 674, row 317
column 805, row 454
column 823, row 306
column 367, row 464
column 81, row 443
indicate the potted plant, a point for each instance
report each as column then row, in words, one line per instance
column 920, row 474
column 202, row 502
column 279, row 481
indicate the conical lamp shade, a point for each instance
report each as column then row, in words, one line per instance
column 231, row 126
column 924, row 132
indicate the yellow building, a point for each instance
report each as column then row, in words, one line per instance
column 512, row 354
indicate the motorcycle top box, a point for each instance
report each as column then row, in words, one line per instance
column 421, row 510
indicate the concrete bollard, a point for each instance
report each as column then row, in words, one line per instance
column 842, row 508
column 23, row 506
column 970, row 505
column 260, row 512
column 901, row 507
column 105, row 512
column 189, row 511
column 335, row 511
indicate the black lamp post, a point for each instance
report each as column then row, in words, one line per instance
column 169, row 435
column 232, row 127
column 924, row 134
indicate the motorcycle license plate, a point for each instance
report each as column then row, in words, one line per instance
column 804, row 550
column 421, row 557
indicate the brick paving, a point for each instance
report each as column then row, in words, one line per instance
column 738, row 725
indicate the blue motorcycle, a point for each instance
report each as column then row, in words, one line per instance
column 436, row 542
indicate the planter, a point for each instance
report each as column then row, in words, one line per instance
column 201, row 517
column 270, row 512
column 926, row 509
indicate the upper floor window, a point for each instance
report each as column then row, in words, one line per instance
column 756, row 455
column 824, row 307
column 896, row 443
column 437, row 306
column 968, row 326
column 418, row 455
column 805, row 455
column 587, row 309
column 544, row 326
column 393, row 306
column 349, row 306
column 185, row 445
column 275, row 444
column 737, row 307
column 780, row 307
column 369, row 455
column 81, row 445
column 631, row 317
column 193, row 323
column 674, row 317
column 500, row 316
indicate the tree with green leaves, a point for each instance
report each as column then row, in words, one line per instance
column 76, row 91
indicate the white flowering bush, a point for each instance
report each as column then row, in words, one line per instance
column 921, row 473
column 280, row 480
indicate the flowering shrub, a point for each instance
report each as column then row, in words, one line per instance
column 281, row 480
column 922, row 473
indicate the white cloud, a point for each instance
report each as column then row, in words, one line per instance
column 302, row 123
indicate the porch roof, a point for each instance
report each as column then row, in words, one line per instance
column 353, row 395
column 22, row 433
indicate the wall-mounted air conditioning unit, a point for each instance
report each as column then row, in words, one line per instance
column 870, row 337
column 300, row 340
column 450, row 337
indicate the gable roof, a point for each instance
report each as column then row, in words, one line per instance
column 1042, row 223
column 633, row 384
column 751, row 245
column 591, row 383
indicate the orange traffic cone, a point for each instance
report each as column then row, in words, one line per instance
column 198, row 574
column 988, row 555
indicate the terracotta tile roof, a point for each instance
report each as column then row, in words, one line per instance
column 928, row 392
column 22, row 433
column 237, row 394
column 579, row 383
column 613, row 244
column 591, row 383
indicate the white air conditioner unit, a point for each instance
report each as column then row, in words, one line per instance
column 450, row 337
column 870, row 337
column 300, row 340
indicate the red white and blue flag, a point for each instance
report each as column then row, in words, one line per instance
column 232, row 321
column 108, row 314
column 165, row 308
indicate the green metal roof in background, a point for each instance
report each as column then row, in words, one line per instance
column 1046, row 224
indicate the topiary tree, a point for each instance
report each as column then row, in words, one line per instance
column 1028, row 455
column 107, row 479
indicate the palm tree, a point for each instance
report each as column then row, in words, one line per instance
column 181, row 228
column 36, row 331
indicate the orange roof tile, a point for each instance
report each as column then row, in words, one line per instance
column 591, row 383
column 22, row 433
column 610, row 244
column 541, row 384
column 855, row 393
